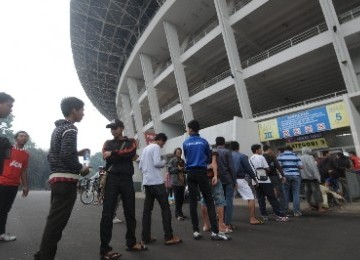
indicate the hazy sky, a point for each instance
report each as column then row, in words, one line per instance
column 37, row 69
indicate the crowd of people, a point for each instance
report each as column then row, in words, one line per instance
column 212, row 176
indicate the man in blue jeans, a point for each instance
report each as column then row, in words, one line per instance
column 228, row 179
column 291, row 165
column 198, row 156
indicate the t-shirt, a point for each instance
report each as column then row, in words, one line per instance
column 356, row 162
column 259, row 163
column 151, row 164
column 13, row 167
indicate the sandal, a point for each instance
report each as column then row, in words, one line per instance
column 137, row 247
column 259, row 222
column 110, row 256
column 226, row 230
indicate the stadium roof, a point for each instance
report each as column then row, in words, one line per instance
column 103, row 34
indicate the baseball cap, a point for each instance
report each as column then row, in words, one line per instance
column 115, row 123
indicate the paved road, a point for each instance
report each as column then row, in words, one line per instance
column 331, row 236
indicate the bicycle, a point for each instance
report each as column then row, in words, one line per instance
column 87, row 194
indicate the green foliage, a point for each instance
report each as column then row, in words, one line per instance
column 95, row 161
column 39, row 169
column 5, row 127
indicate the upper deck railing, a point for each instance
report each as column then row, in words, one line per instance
column 349, row 15
column 210, row 82
column 213, row 23
column 285, row 45
column 239, row 4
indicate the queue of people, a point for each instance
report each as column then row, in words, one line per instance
column 211, row 174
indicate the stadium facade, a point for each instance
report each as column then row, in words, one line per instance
column 276, row 71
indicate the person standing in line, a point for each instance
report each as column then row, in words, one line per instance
column 242, row 169
column 218, row 196
column 198, row 156
column 6, row 104
column 276, row 175
column 176, row 167
column 311, row 177
column 355, row 161
column 228, row 180
column 153, row 182
column 118, row 154
column 265, row 189
column 291, row 165
column 65, row 168
column 15, row 170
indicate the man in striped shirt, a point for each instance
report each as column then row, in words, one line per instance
column 291, row 165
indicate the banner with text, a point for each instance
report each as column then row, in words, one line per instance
column 305, row 122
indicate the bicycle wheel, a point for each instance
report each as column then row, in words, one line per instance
column 87, row 197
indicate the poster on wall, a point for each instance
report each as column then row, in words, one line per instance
column 305, row 122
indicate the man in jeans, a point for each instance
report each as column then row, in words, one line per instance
column 291, row 165
column 228, row 179
column 153, row 181
column 198, row 156
column 65, row 169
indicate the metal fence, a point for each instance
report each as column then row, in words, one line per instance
column 349, row 15
column 285, row 45
column 210, row 82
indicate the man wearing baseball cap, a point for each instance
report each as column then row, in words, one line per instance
column 118, row 153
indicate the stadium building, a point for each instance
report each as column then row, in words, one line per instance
column 275, row 71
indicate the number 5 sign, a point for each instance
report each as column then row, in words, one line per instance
column 337, row 114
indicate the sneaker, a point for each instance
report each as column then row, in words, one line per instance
column 7, row 238
column 297, row 214
column 219, row 236
column 116, row 220
column 180, row 218
column 281, row 219
column 197, row 235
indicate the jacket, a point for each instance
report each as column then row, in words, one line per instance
column 225, row 165
column 310, row 170
column 63, row 157
column 197, row 153
column 120, row 163
column 177, row 176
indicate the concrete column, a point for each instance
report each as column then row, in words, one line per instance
column 182, row 87
column 354, row 118
column 222, row 11
column 134, row 96
column 126, row 112
column 152, row 96
column 341, row 50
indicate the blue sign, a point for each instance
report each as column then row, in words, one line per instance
column 304, row 122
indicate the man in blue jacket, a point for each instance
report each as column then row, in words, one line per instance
column 198, row 156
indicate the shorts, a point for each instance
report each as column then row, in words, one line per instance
column 244, row 189
column 217, row 193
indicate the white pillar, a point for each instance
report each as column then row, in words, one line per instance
column 354, row 118
column 126, row 112
column 180, row 77
column 134, row 96
column 222, row 11
column 341, row 50
column 152, row 96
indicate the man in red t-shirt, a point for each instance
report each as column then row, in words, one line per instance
column 355, row 161
column 14, row 172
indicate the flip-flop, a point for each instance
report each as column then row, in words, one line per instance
column 110, row 256
column 260, row 222
column 137, row 247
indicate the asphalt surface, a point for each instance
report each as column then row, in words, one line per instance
column 334, row 235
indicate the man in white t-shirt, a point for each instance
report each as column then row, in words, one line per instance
column 265, row 187
column 153, row 182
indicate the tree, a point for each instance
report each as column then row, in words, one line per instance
column 95, row 161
